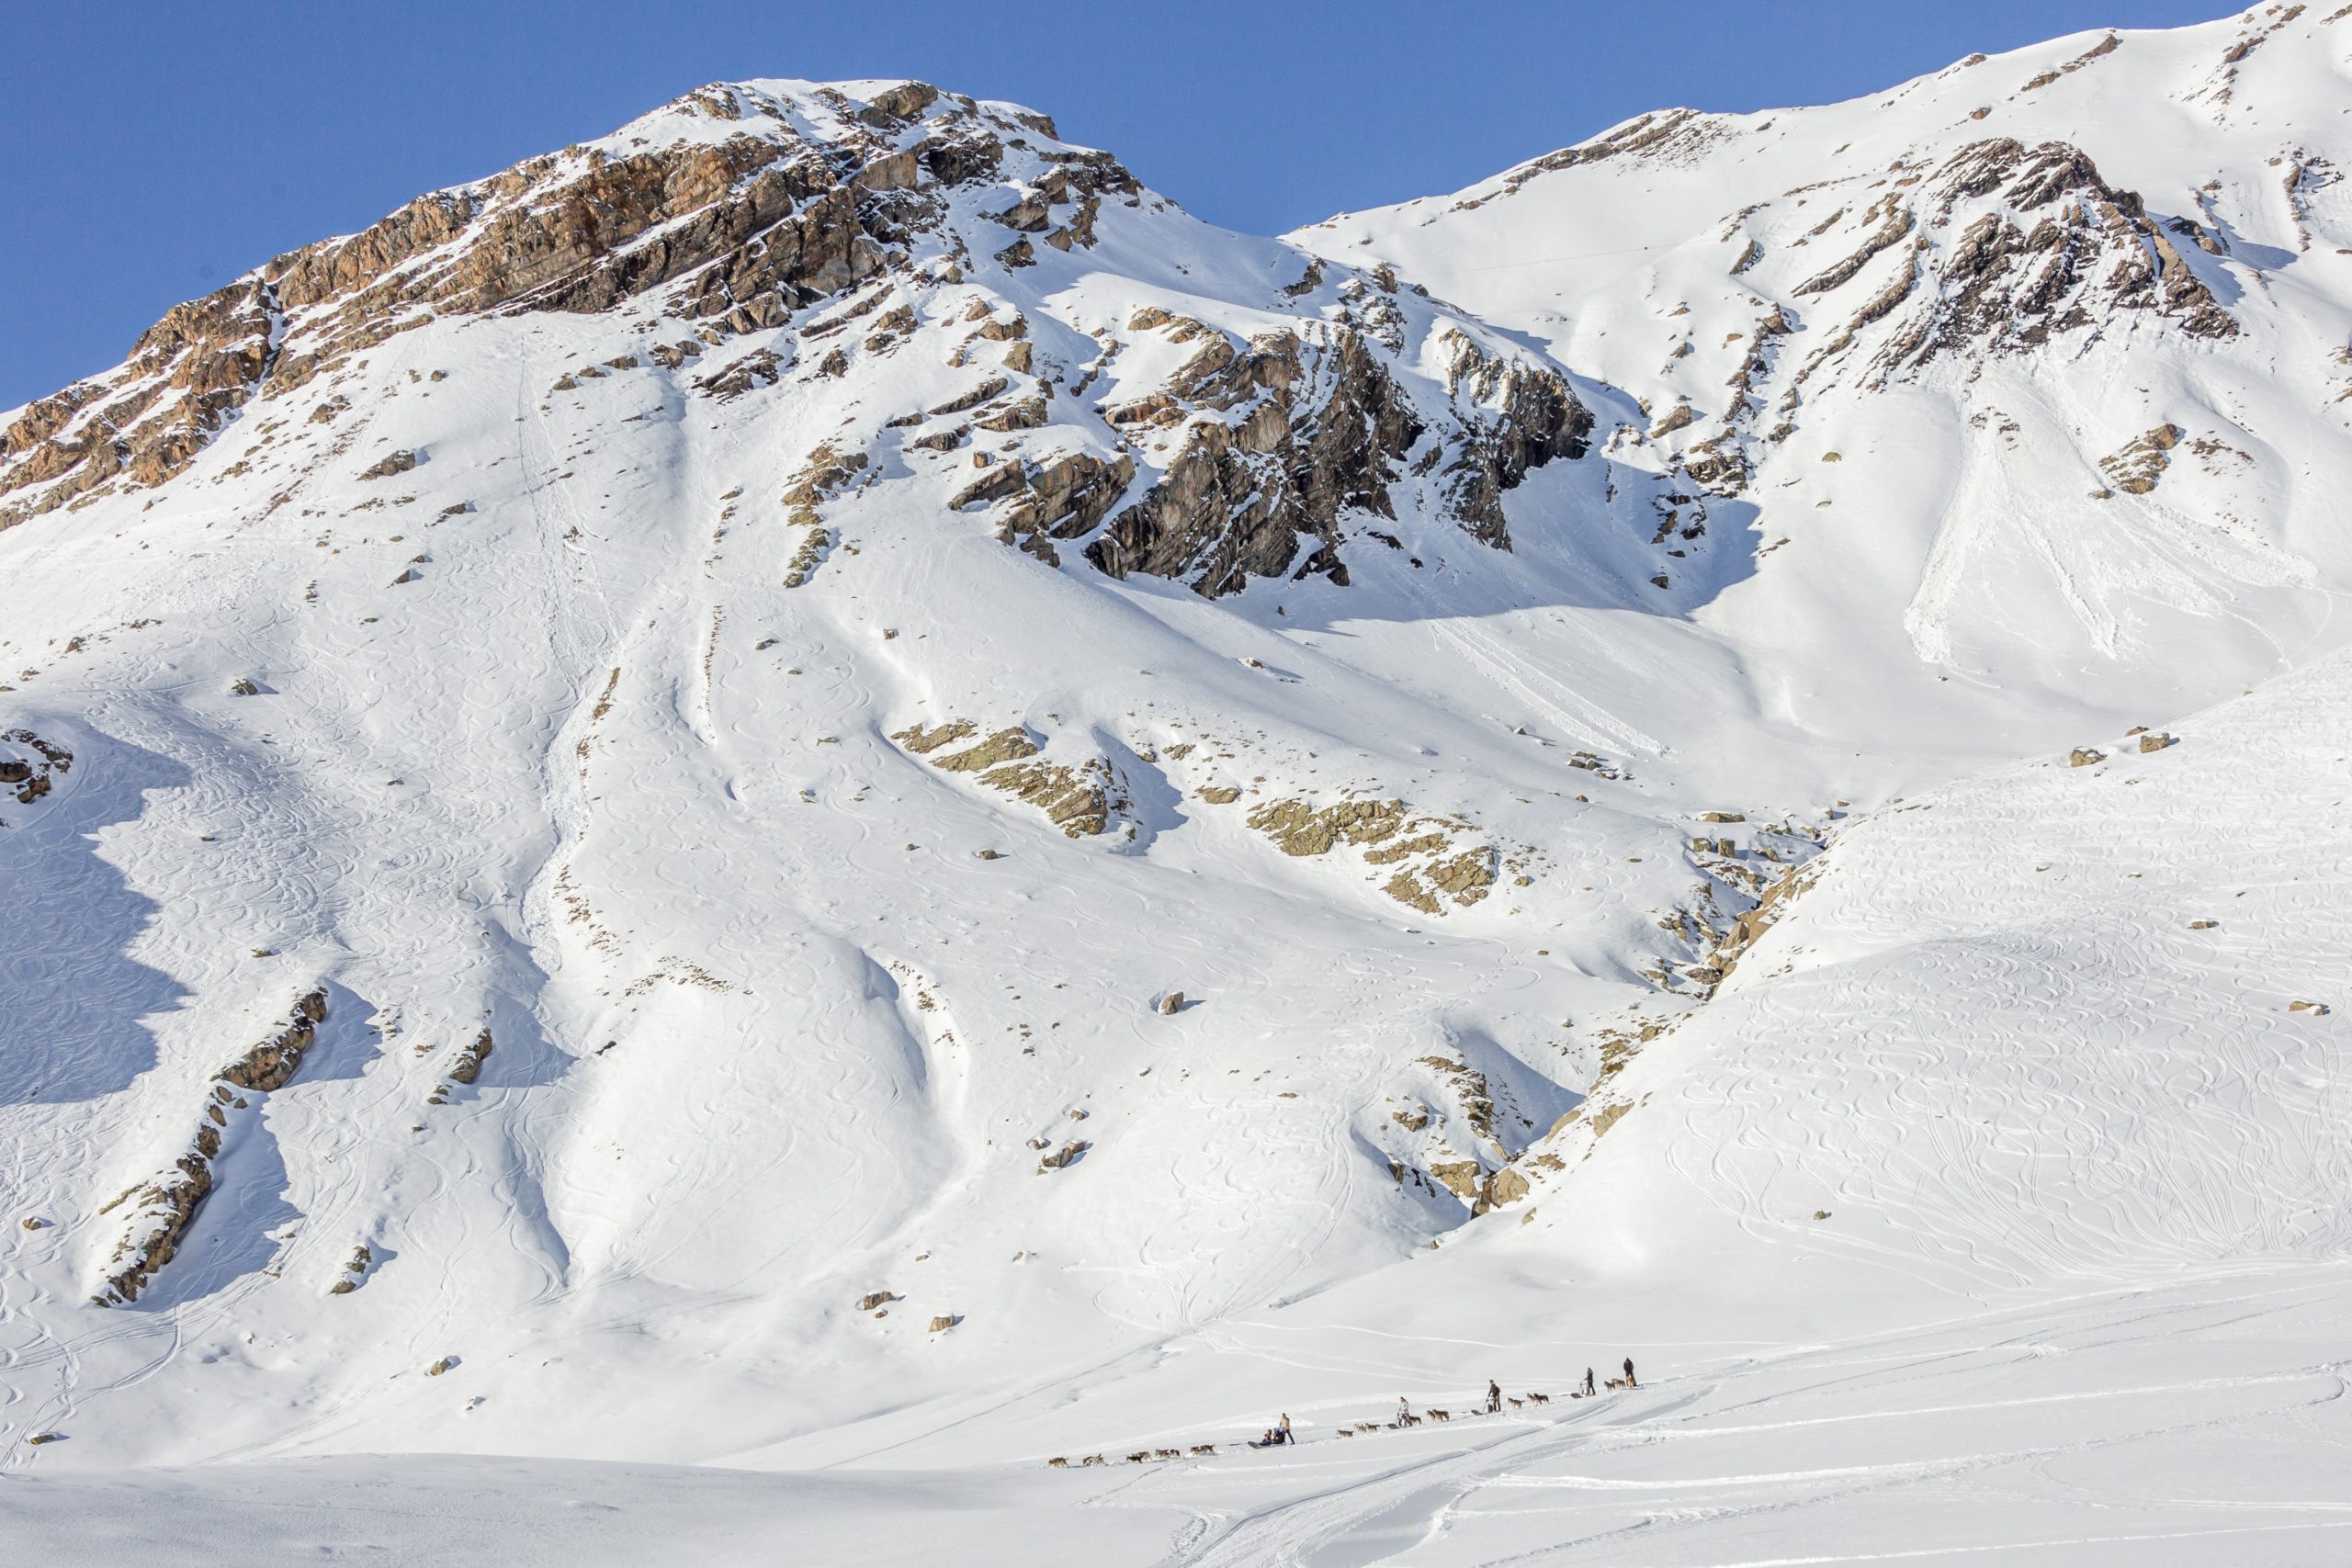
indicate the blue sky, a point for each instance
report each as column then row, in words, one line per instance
column 155, row 151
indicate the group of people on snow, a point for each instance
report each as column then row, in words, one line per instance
column 1279, row 1435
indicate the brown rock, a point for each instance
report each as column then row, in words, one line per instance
column 269, row 1064
column 392, row 463
column 468, row 1063
column 1461, row 1177
column 1003, row 746
column 1508, row 1185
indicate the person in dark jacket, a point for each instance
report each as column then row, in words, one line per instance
column 1629, row 1373
column 1588, row 1382
column 1494, row 1396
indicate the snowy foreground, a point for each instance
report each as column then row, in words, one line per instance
column 714, row 844
column 2195, row 1423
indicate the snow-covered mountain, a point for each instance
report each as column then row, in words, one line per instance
column 816, row 785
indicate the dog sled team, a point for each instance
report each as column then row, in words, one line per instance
column 1279, row 1435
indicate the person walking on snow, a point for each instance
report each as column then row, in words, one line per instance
column 1588, row 1382
column 1285, row 1428
column 1494, row 1396
column 1629, row 1373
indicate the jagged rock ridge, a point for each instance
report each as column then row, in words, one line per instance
column 741, row 211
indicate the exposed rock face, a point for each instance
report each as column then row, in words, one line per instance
column 1534, row 418
column 744, row 231
column 2059, row 248
column 166, row 1206
column 468, row 1063
column 1061, row 498
column 1079, row 800
column 185, row 375
column 1461, row 1177
column 354, row 1272
column 1508, row 1185
column 2142, row 462
column 1317, row 424
column 808, row 197
column 28, row 782
column 1434, row 868
column 1298, row 828
column 1305, row 424
column 270, row 1064
column 390, row 464
column 1995, row 249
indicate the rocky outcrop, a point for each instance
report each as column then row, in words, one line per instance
column 1079, row 800
column 739, row 209
column 2141, row 462
column 392, row 463
column 145, row 421
column 1279, row 437
column 1069, row 1154
column 159, row 1221
column 1526, row 416
column 162, row 1209
column 744, row 231
column 1063, row 496
column 269, row 1064
column 354, row 1272
column 30, row 781
column 1315, row 424
column 467, row 1065
column 1434, row 866
column 2059, row 249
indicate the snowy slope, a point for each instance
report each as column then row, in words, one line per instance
column 1927, row 335
column 627, row 723
column 620, row 776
